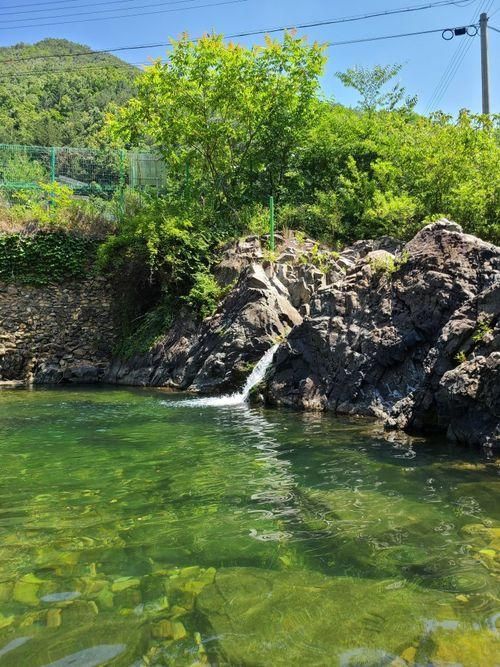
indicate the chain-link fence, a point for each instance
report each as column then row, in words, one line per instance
column 88, row 172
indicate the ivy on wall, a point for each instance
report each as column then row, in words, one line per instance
column 46, row 257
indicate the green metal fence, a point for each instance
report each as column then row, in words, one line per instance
column 88, row 172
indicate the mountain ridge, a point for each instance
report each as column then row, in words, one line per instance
column 46, row 100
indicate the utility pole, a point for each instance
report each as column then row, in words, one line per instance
column 485, row 77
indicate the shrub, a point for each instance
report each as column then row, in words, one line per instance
column 205, row 294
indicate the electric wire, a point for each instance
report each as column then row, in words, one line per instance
column 439, row 3
column 124, row 64
column 54, row 2
column 250, row 33
column 454, row 64
column 100, row 11
column 458, row 64
column 63, row 2
column 109, row 18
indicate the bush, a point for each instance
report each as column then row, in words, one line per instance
column 53, row 206
column 142, row 333
column 320, row 220
column 205, row 295
column 389, row 171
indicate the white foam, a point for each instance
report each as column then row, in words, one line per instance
column 241, row 397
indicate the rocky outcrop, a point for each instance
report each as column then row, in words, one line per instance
column 410, row 337
column 407, row 334
column 217, row 354
column 56, row 333
column 272, row 294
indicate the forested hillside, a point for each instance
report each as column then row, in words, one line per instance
column 48, row 100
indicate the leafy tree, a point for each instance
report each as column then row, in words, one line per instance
column 371, row 83
column 234, row 115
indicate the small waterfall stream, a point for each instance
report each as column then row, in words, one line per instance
column 240, row 397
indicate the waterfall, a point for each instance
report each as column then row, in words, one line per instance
column 240, row 397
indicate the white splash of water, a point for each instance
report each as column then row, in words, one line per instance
column 240, row 397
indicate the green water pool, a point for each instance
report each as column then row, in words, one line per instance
column 137, row 531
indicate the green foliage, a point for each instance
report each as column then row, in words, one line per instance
column 235, row 115
column 46, row 257
column 19, row 168
column 461, row 357
column 320, row 219
column 390, row 172
column 65, row 108
column 52, row 206
column 388, row 264
column 156, row 242
column 51, row 202
column 255, row 220
column 483, row 329
column 370, row 84
column 321, row 257
column 141, row 334
column 269, row 255
column 205, row 294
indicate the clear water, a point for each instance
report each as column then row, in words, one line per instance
column 135, row 530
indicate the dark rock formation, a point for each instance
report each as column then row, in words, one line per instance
column 411, row 338
column 267, row 301
column 217, row 354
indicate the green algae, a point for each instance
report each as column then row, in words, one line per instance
column 242, row 536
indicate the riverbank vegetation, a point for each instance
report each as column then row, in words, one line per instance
column 235, row 126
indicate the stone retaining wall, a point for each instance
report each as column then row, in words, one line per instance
column 56, row 333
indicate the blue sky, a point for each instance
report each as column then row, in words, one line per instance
column 425, row 57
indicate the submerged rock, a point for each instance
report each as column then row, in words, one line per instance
column 60, row 597
column 261, row 617
column 26, row 590
column 90, row 657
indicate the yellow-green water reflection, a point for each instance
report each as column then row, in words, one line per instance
column 137, row 531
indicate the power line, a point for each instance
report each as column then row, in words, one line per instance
column 382, row 37
column 63, row 2
column 314, row 24
column 449, row 72
column 50, row 2
column 454, row 64
column 330, row 44
column 441, row 3
column 109, row 18
column 99, row 11
column 493, row 28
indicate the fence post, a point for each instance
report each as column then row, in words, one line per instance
column 52, row 174
column 122, row 184
column 271, row 223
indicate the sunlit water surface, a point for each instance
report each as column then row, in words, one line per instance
column 135, row 530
